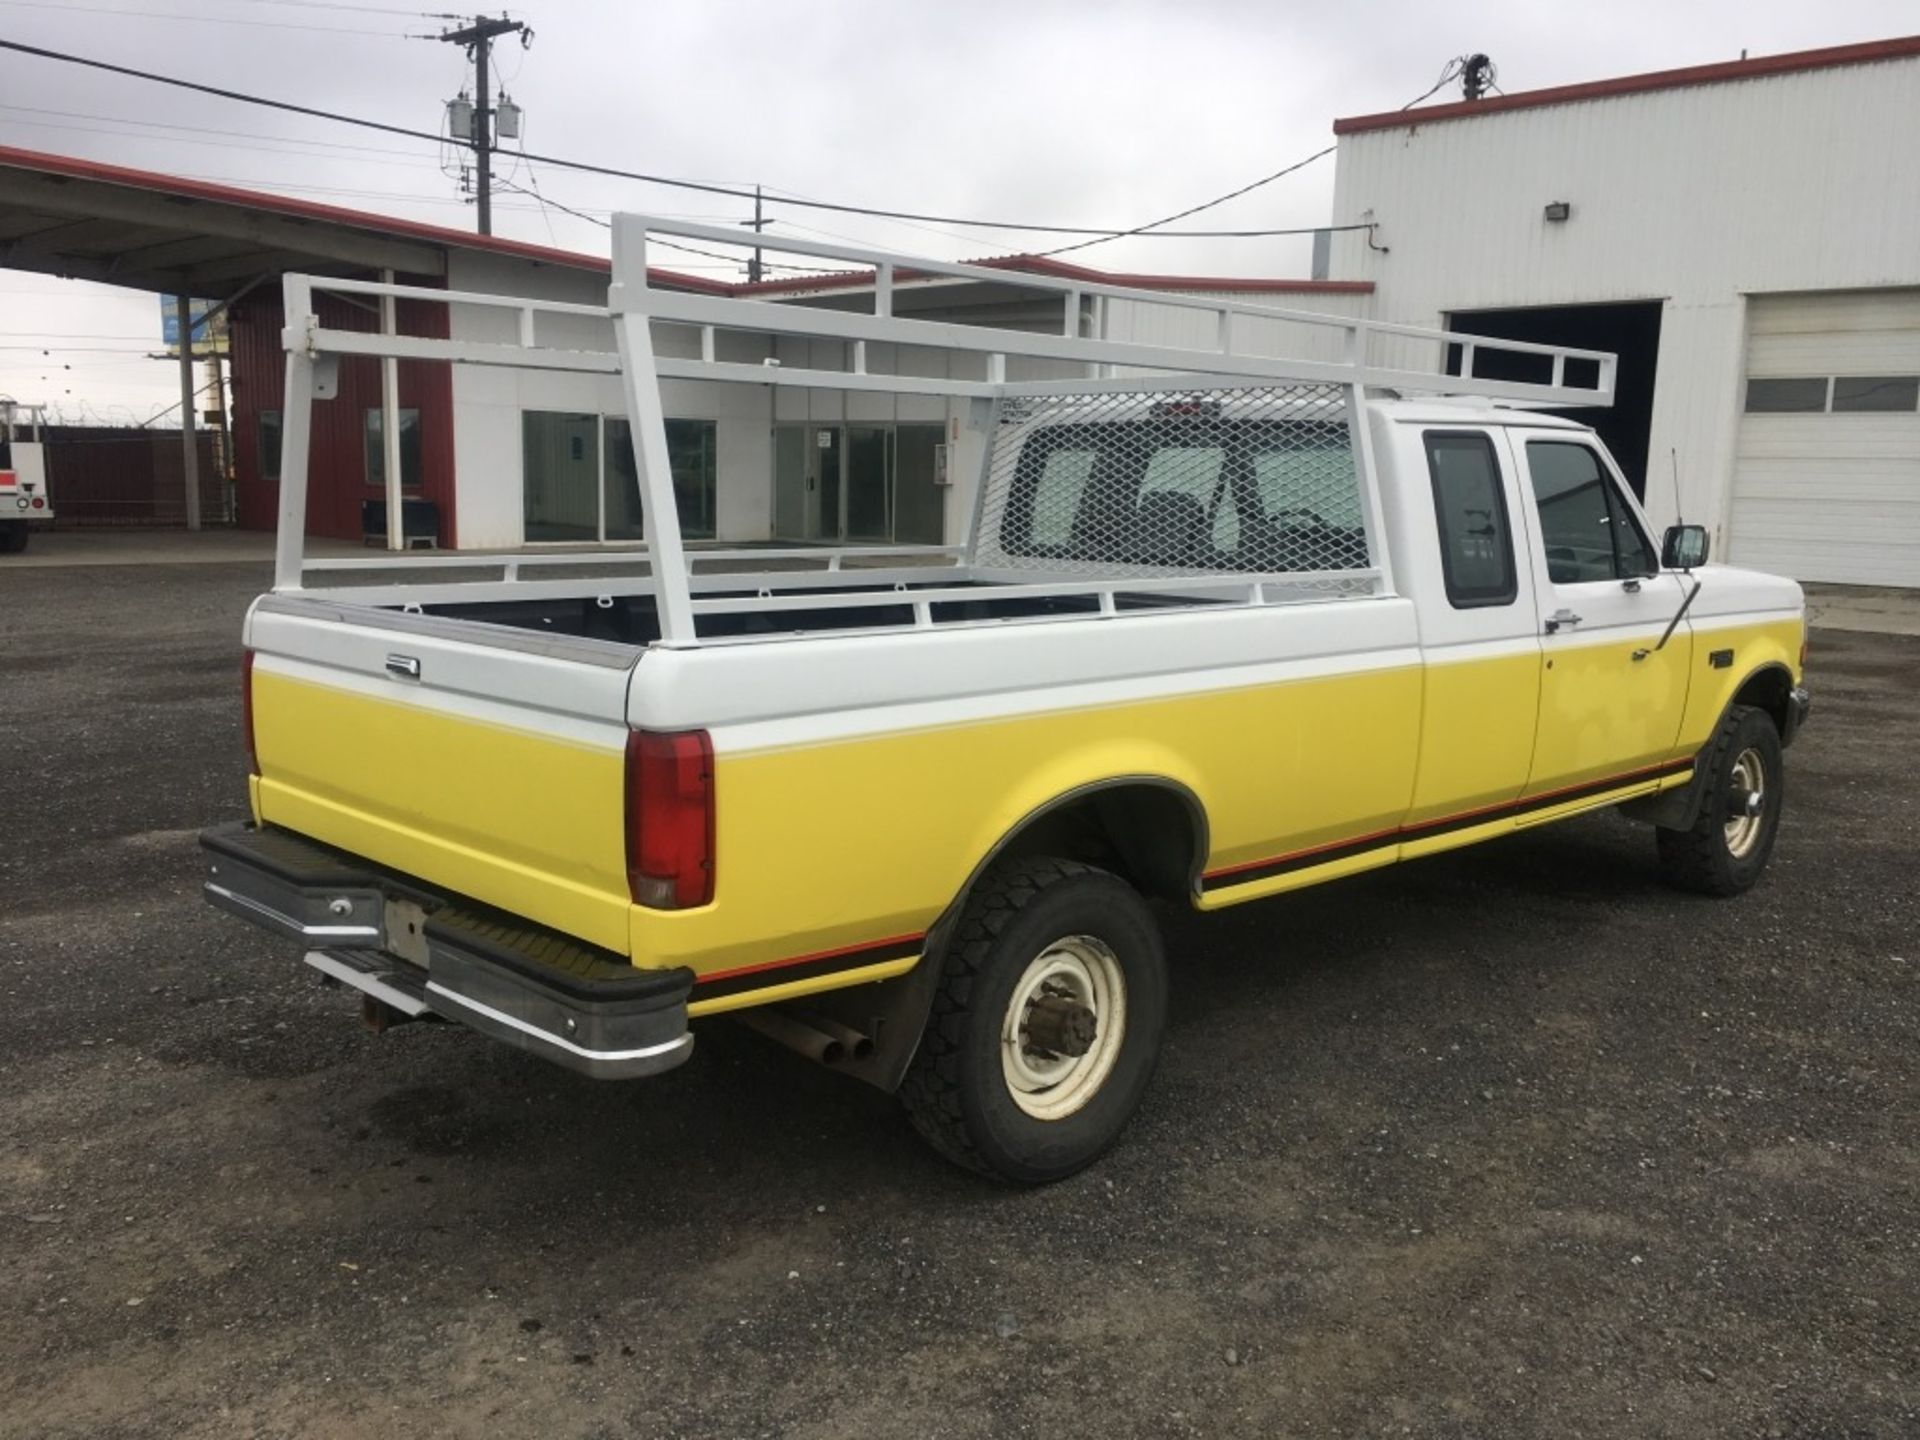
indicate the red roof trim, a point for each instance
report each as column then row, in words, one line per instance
column 1791, row 63
column 69, row 168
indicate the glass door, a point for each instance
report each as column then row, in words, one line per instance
column 868, row 483
column 796, row 505
column 808, row 461
column 827, row 452
column 561, row 455
column 919, row 498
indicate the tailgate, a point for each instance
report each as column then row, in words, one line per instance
column 484, row 760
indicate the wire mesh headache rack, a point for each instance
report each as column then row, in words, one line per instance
column 1125, row 474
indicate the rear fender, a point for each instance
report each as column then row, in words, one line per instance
column 894, row 1012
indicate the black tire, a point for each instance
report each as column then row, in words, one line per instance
column 1708, row 858
column 957, row 1089
column 13, row 536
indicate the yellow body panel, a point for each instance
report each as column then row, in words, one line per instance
column 833, row 846
column 1754, row 647
column 1476, row 740
column 1602, row 711
column 532, row 824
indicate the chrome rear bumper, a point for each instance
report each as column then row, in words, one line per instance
column 419, row 951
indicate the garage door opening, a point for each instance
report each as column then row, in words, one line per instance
column 1631, row 331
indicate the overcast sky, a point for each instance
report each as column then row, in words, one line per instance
column 1062, row 111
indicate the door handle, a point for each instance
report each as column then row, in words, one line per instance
column 1562, row 618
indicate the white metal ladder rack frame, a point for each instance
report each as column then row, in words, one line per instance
column 683, row 592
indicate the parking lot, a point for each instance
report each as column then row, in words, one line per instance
column 1510, row 1142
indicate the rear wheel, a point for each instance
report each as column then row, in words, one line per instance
column 1727, row 847
column 1047, row 1023
column 13, row 536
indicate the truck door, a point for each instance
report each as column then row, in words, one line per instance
column 1611, row 700
column 1477, row 631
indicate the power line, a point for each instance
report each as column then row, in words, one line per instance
column 360, row 9
column 71, row 9
column 729, row 261
column 1210, row 204
column 587, row 167
column 411, row 163
column 213, row 130
column 1459, row 65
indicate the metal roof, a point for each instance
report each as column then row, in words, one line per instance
column 1905, row 47
column 89, row 221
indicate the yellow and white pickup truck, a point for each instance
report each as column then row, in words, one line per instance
column 1225, row 625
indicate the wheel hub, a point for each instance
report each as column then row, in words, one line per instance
column 1063, row 1027
column 1057, row 1025
column 1746, row 803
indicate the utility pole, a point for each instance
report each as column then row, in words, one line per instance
column 754, row 268
column 478, row 39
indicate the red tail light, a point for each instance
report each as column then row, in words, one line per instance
column 246, row 708
column 670, row 818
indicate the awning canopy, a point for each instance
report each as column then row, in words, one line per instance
column 88, row 221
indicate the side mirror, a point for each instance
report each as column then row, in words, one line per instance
column 1684, row 548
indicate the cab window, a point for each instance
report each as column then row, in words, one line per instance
column 1476, row 551
column 1586, row 529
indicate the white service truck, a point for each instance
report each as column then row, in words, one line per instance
column 24, row 498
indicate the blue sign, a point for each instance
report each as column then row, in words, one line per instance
column 209, row 331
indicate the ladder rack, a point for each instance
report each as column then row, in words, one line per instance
column 677, row 577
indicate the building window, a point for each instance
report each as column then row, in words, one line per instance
column 376, row 451
column 270, row 445
column 1801, row 395
column 1899, row 394
column 581, row 481
column 1476, row 544
column 691, row 451
column 1585, row 527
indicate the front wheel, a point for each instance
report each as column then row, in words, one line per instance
column 1728, row 845
column 1047, row 1023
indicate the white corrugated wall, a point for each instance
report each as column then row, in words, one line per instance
column 1697, row 197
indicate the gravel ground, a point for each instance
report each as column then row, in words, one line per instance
column 1510, row 1142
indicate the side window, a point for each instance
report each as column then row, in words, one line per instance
column 1476, row 544
column 1056, row 498
column 1585, row 527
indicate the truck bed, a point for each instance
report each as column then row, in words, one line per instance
column 634, row 619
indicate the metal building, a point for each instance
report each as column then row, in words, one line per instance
column 1746, row 235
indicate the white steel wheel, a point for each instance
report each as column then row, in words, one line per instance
column 1064, row 1026
column 1045, row 1023
column 1746, row 803
column 1737, row 817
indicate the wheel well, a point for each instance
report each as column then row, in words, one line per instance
column 1151, row 833
column 1769, row 689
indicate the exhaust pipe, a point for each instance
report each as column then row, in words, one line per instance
column 857, row 1046
column 820, row 1039
column 796, row 1035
